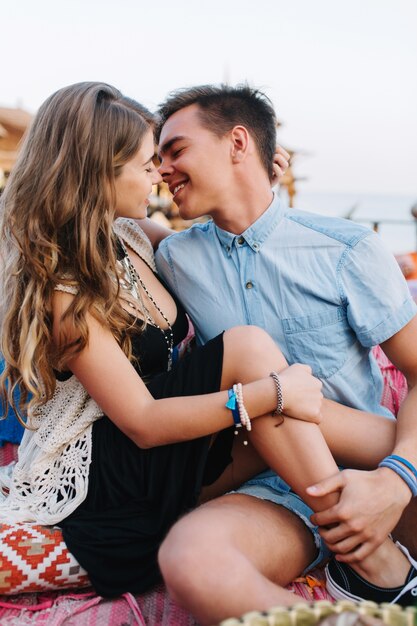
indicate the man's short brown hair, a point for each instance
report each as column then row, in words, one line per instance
column 223, row 107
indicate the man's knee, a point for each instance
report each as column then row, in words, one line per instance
column 186, row 553
column 275, row 541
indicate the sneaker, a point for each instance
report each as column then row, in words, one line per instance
column 343, row 583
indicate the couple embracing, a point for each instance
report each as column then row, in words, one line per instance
column 159, row 436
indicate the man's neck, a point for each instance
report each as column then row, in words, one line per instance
column 242, row 209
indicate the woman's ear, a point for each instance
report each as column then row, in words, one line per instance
column 240, row 142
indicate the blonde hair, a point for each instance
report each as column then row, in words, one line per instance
column 56, row 216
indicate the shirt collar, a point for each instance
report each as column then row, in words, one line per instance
column 258, row 232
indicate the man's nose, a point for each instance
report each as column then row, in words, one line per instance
column 165, row 169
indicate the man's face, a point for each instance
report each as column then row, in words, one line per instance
column 195, row 163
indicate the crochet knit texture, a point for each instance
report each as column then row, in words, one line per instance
column 50, row 478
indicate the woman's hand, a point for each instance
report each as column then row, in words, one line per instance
column 280, row 165
column 301, row 393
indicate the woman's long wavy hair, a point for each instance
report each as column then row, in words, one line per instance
column 56, row 216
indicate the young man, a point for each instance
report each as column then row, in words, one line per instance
column 327, row 291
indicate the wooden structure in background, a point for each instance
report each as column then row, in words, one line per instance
column 13, row 123
column 288, row 180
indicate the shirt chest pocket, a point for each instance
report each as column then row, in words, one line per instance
column 320, row 340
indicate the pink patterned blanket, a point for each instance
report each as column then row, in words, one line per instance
column 87, row 609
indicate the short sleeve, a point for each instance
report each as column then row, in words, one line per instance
column 164, row 264
column 379, row 302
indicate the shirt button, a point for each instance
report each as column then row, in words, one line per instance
column 228, row 248
column 256, row 246
column 249, row 285
column 241, row 241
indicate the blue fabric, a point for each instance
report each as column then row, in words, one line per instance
column 233, row 406
column 11, row 431
column 400, row 471
column 404, row 461
column 326, row 289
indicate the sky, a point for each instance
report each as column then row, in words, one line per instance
column 342, row 74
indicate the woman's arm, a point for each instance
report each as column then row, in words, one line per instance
column 112, row 381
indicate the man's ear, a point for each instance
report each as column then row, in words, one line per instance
column 240, row 143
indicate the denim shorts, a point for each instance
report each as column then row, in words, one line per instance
column 269, row 486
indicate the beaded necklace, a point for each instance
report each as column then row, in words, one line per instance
column 130, row 282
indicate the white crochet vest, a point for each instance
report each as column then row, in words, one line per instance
column 50, row 478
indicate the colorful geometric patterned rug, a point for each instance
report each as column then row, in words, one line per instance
column 35, row 558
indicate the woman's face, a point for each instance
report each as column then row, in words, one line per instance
column 134, row 183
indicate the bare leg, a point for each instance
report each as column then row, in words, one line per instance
column 284, row 447
column 239, row 549
column 299, row 452
column 250, row 546
column 235, row 554
column 250, row 353
column 346, row 432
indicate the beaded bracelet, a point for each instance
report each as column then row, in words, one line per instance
column 236, row 405
column 244, row 416
column 280, row 399
column 396, row 467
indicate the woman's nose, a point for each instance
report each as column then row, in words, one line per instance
column 156, row 177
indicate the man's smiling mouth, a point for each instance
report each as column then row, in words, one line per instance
column 178, row 188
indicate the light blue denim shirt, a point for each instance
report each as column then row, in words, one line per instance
column 326, row 289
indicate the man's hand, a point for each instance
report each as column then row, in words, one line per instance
column 280, row 166
column 370, row 505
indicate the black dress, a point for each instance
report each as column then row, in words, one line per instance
column 135, row 495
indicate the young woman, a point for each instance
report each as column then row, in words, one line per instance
column 119, row 438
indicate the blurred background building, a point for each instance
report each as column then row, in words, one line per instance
column 13, row 123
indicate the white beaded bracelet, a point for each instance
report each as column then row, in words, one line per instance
column 243, row 414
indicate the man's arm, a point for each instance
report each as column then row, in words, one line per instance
column 380, row 310
column 371, row 503
column 154, row 231
column 401, row 350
